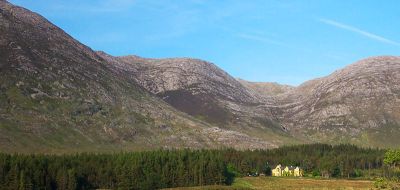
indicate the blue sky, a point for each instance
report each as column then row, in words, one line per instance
column 282, row 41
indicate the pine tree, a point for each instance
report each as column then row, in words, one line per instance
column 72, row 182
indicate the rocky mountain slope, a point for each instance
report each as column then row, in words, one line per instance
column 270, row 89
column 358, row 104
column 58, row 95
column 208, row 93
column 188, row 83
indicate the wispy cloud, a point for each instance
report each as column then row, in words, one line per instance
column 358, row 31
column 264, row 40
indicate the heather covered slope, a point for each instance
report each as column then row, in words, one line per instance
column 58, row 95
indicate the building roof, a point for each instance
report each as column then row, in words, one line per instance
column 289, row 167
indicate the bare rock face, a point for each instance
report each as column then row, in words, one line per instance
column 200, row 77
column 269, row 89
column 201, row 89
column 350, row 102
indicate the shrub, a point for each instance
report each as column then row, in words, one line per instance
column 381, row 183
column 316, row 173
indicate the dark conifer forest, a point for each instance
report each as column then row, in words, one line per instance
column 173, row 168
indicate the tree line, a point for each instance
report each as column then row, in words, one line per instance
column 175, row 168
column 315, row 159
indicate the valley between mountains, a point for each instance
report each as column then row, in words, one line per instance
column 58, row 95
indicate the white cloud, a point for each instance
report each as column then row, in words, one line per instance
column 358, row 31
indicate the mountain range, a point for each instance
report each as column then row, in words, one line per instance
column 58, row 95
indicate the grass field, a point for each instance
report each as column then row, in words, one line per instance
column 289, row 183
